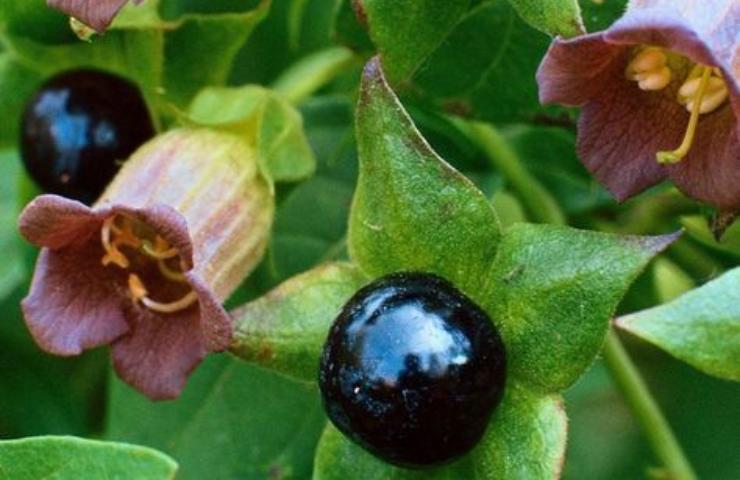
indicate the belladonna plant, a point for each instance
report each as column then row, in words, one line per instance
column 147, row 267
column 549, row 290
column 660, row 98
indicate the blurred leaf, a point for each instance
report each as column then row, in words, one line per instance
column 232, row 421
column 494, row 79
column 202, row 49
column 554, row 17
column 552, row 293
column 701, row 327
column 525, row 440
column 33, row 19
column 311, row 72
column 406, row 33
column 264, row 118
column 670, row 280
column 285, row 329
column 550, row 155
column 347, row 30
column 411, row 210
column 698, row 228
column 599, row 14
column 71, row 458
column 12, row 268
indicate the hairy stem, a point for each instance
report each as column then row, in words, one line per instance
column 313, row 72
column 646, row 410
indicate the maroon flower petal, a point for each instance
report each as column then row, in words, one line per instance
column 54, row 222
column 576, row 70
column 73, row 305
column 160, row 351
column 97, row 14
column 216, row 325
column 711, row 171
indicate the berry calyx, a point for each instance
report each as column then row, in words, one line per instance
column 79, row 128
column 412, row 370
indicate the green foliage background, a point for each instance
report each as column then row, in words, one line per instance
column 235, row 420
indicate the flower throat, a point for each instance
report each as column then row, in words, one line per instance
column 702, row 91
column 150, row 254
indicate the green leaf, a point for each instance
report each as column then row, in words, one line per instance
column 552, row 293
column 406, row 33
column 232, row 421
column 12, row 269
column 71, row 458
column 285, row 329
column 554, row 17
column 411, row 210
column 525, row 440
column 265, row 119
column 202, row 49
column 478, row 62
column 598, row 15
column 33, row 19
column 485, row 67
column 346, row 29
column 701, row 327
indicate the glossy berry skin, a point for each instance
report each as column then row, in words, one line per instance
column 412, row 370
column 78, row 129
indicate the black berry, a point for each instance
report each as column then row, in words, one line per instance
column 412, row 370
column 78, row 129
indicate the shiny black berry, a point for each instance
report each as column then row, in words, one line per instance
column 412, row 370
column 78, row 129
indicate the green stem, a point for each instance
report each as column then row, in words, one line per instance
column 646, row 410
column 313, row 72
column 540, row 205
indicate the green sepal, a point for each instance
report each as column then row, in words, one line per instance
column 285, row 329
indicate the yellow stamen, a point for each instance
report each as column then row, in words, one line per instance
column 113, row 236
column 161, row 249
column 169, row 273
column 677, row 155
column 140, row 294
column 112, row 254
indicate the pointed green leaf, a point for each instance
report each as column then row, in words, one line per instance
column 553, row 291
column 267, row 120
column 525, row 440
column 554, row 17
column 701, row 327
column 411, row 210
column 71, row 458
column 285, row 329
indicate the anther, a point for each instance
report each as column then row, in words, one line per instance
column 714, row 96
column 112, row 254
column 649, row 69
